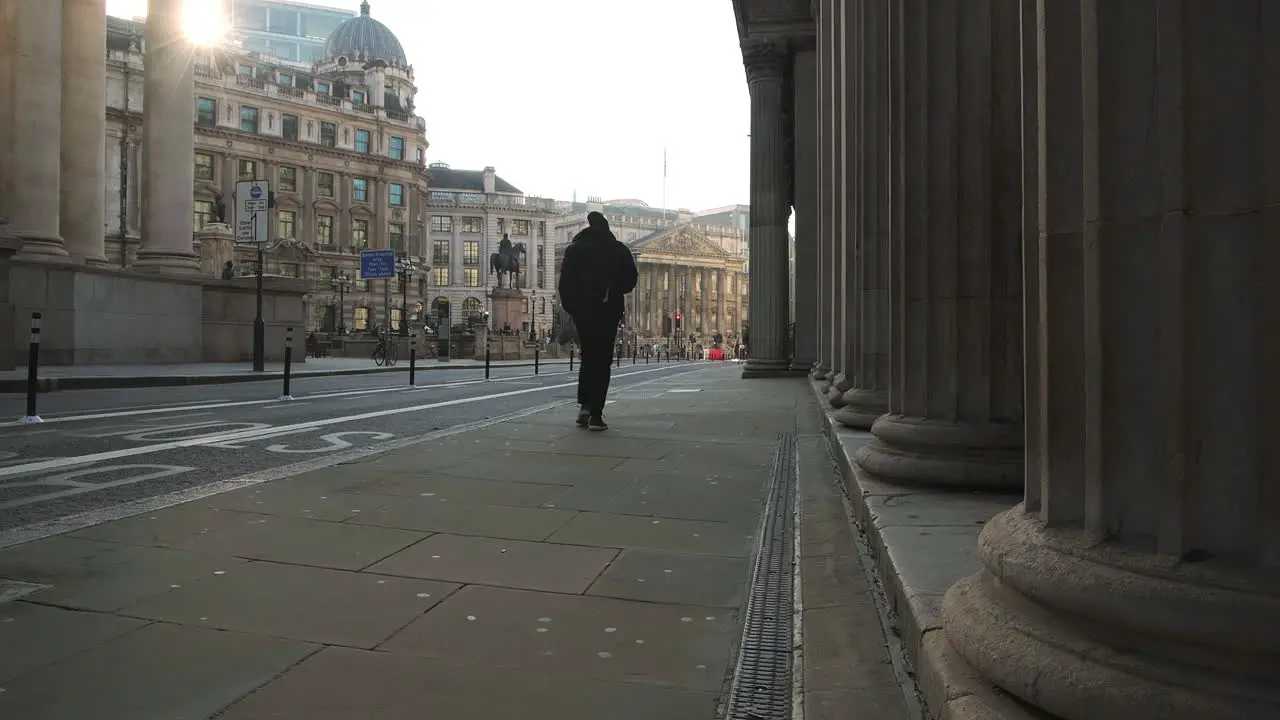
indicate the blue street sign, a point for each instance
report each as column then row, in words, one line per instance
column 255, row 192
column 377, row 264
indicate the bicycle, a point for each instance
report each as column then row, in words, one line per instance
column 385, row 352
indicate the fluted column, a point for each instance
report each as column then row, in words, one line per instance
column 846, row 35
column 826, row 164
column 721, row 324
column 84, row 67
column 867, row 397
column 1139, row 577
column 32, row 126
column 805, row 142
column 168, row 116
column 955, row 415
column 655, row 302
column 767, row 63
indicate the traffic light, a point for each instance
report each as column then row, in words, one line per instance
column 677, row 321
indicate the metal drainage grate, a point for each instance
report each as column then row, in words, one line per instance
column 761, row 685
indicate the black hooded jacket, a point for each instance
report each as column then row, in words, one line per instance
column 597, row 273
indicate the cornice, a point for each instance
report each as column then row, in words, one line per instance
column 765, row 58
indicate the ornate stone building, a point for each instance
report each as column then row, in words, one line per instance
column 468, row 212
column 338, row 141
column 1039, row 242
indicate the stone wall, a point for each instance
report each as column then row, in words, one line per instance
column 228, row 312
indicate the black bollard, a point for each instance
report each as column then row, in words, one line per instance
column 570, row 359
column 633, row 356
column 33, row 372
column 288, row 362
column 617, row 360
column 486, row 360
column 413, row 357
column 537, row 358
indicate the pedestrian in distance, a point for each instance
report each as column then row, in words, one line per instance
column 597, row 273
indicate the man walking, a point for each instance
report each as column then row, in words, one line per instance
column 597, row 273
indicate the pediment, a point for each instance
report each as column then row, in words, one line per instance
column 361, row 211
column 681, row 241
column 326, row 205
column 292, row 202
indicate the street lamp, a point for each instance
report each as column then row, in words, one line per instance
column 342, row 284
column 533, row 315
column 404, row 268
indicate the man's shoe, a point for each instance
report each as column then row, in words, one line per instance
column 584, row 417
column 596, row 424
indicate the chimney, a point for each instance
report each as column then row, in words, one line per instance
column 490, row 178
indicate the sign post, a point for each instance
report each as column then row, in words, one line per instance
column 253, row 216
column 380, row 265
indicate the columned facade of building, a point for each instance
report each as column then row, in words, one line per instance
column 1057, row 223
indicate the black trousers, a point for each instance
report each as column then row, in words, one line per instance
column 597, row 338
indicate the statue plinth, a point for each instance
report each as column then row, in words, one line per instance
column 216, row 246
column 506, row 308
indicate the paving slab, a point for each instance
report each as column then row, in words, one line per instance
column 645, row 533
column 508, row 563
column 530, row 467
column 303, row 603
column 591, row 637
column 35, row 635
column 257, row 537
column 104, row 576
column 678, row 578
column 460, row 489
column 343, row 684
column 441, row 515
column 594, row 444
column 159, row 671
column 296, row 500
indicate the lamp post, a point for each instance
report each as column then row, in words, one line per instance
column 533, row 315
column 342, row 284
column 405, row 269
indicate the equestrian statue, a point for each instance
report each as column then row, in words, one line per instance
column 507, row 260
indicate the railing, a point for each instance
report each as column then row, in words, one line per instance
column 290, row 91
column 329, row 100
column 250, row 82
column 446, row 197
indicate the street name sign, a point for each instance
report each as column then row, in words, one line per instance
column 253, row 217
column 377, row 264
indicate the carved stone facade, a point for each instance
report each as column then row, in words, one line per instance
column 684, row 274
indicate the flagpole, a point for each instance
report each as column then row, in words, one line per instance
column 664, row 183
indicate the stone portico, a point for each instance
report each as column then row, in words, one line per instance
column 1043, row 259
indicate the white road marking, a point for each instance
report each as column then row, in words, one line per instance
column 75, row 487
column 253, row 434
column 334, row 440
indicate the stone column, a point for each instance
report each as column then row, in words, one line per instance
column 1139, row 577
column 307, row 213
column 767, row 63
column 722, row 324
column 704, row 294
column 806, row 206
column 955, row 415
column 168, row 116
column 33, row 126
column 655, row 304
column 824, row 192
column 84, row 132
column 848, row 189
column 868, row 395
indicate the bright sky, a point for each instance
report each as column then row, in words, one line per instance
column 565, row 95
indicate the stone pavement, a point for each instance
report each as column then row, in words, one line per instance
column 526, row 569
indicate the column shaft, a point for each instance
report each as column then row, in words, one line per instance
column 847, row 26
column 805, row 142
column 33, row 122
column 770, row 208
column 956, row 414
column 1139, row 578
column 822, row 200
column 84, row 67
column 168, row 116
column 721, row 325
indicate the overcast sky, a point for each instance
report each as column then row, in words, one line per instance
column 565, row 95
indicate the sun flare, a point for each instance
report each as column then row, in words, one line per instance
column 203, row 22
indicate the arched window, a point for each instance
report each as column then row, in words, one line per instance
column 470, row 307
column 361, row 318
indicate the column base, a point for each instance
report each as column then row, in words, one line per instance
column 762, row 368
column 41, row 246
column 968, row 456
column 169, row 262
column 836, row 390
column 862, row 408
column 1089, row 631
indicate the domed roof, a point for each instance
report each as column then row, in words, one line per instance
column 363, row 38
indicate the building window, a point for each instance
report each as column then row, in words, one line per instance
column 472, row 224
column 397, row 148
column 204, row 166
column 289, row 270
column 395, row 237
column 249, row 119
column 441, row 223
column 440, row 276
column 288, row 179
column 286, row 79
column 248, row 170
column 322, row 88
column 359, row 233
column 361, row 318
column 542, row 228
column 328, row 134
column 422, row 156
column 324, row 229
column 358, row 97
column 471, row 277
column 289, row 126
column 245, row 70
column 362, row 141
column 440, row 252
column 396, row 193
column 206, row 111
column 360, row 189
column 520, row 228
column 395, row 318
column 363, row 285
column 202, row 214
column 470, row 252
column 324, row 184
column 286, row 224
column 542, row 278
